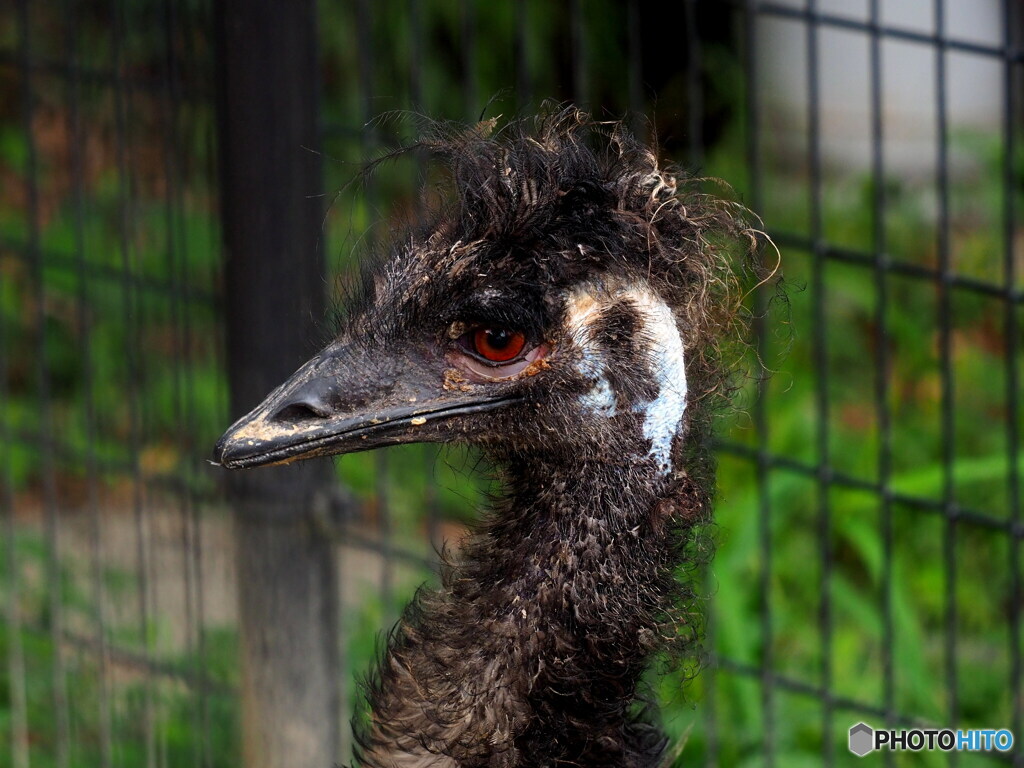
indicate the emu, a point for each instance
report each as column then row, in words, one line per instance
column 564, row 312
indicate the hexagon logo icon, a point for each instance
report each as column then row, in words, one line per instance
column 861, row 739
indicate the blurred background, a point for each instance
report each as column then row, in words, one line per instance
column 173, row 171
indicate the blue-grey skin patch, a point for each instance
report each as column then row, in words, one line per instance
column 600, row 400
column 583, row 308
column 663, row 416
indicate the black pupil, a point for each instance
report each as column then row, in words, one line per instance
column 498, row 338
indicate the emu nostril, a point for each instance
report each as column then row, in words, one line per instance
column 294, row 413
column 309, row 402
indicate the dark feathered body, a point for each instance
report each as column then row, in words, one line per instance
column 613, row 277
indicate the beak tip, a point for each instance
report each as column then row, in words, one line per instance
column 220, row 451
column 238, row 449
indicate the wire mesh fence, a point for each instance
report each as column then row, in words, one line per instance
column 111, row 378
column 869, row 509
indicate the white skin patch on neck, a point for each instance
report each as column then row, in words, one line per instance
column 663, row 416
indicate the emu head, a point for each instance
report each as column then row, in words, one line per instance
column 565, row 303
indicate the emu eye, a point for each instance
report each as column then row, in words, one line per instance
column 498, row 345
column 494, row 352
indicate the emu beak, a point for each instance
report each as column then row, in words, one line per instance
column 341, row 401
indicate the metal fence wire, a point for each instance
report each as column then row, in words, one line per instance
column 869, row 514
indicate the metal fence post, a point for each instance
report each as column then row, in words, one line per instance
column 274, row 285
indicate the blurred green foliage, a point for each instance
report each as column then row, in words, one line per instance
column 152, row 707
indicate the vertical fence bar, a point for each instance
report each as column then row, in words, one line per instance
column 18, row 700
column 430, row 452
column 415, row 57
column 132, row 320
column 760, row 413
column 520, row 58
column 76, row 142
column 634, row 66
column 694, row 86
column 944, row 321
column 578, row 35
column 382, row 499
column 369, row 145
column 753, row 151
column 55, row 619
column 419, row 171
column 761, row 422
column 268, row 96
column 171, row 104
column 821, row 374
column 219, row 353
column 882, row 368
column 1011, row 43
column 470, row 88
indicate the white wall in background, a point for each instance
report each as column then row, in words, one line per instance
column 974, row 83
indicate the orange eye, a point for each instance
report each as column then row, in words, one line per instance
column 499, row 345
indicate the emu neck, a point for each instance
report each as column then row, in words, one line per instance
column 586, row 543
column 568, row 488
column 580, row 551
column 574, row 520
column 532, row 652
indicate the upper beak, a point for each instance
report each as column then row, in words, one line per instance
column 341, row 401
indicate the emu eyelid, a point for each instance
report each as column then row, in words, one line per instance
column 480, row 372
